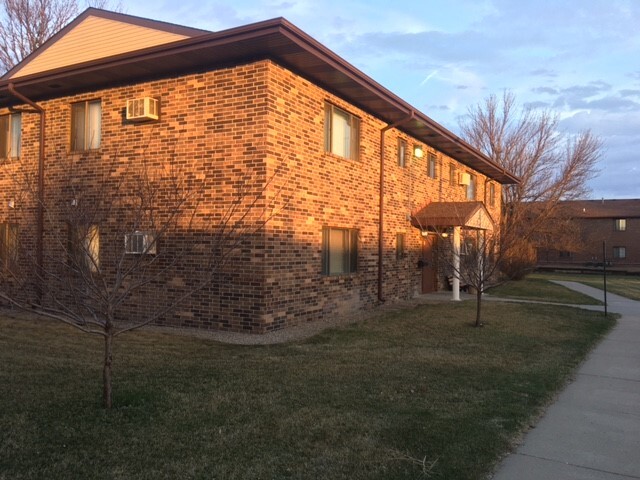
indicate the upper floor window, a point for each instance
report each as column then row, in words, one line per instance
column 453, row 179
column 86, row 125
column 431, row 165
column 620, row 224
column 10, row 135
column 339, row 250
column 341, row 132
column 471, row 188
column 8, row 245
column 402, row 153
column 492, row 194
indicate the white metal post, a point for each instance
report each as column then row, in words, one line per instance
column 456, row 264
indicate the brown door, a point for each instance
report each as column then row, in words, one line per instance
column 428, row 264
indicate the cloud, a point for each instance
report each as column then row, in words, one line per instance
column 629, row 93
column 543, row 72
column 607, row 104
column 536, row 104
column 548, row 90
column 593, row 88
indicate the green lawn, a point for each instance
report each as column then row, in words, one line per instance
column 625, row 285
column 374, row 400
column 538, row 287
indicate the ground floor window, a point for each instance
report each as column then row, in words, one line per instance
column 619, row 252
column 339, row 250
column 8, row 245
column 400, row 245
column 84, row 247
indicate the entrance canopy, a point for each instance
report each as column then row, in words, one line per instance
column 441, row 215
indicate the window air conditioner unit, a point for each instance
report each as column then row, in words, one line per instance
column 139, row 243
column 142, row 109
column 465, row 179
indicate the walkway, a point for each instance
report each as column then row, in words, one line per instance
column 592, row 431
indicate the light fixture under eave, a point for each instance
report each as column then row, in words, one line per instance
column 417, row 151
column 442, row 234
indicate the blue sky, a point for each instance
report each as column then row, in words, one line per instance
column 580, row 58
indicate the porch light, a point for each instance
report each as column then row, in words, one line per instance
column 417, row 151
column 12, row 204
column 426, row 233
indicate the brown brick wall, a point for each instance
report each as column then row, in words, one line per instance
column 594, row 232
column 215, row 129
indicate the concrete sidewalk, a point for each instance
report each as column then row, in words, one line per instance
column 592, row 430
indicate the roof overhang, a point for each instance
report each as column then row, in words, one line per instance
column 277, row 40
column 441, row 215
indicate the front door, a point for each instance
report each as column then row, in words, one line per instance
column 428, row 264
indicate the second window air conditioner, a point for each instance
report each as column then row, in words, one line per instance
column 141, row 109
column 140, row 243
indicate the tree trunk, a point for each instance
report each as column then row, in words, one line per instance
column 106, row 371
column 478, row 307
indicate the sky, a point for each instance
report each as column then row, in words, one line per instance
column 578, row 58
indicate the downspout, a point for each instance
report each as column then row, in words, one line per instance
column 381, row 207
column 40, row 208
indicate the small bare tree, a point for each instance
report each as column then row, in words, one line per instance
column 552, row 166
column 116, row 243
column 26, row 24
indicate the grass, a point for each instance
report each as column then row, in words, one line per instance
column 624, row 285
column 382, row 399
column 538, row 287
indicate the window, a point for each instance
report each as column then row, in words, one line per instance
column 431, row 165
column 140, row 243
column 619, row 252
column 471, row 188
column 8, row 245
column 10, row 135
column 620, row 224
column 452, row 174
column 492, row 194
column 400, row 246
column 564, row 254
column 341, row 132
column 402, row 153
column 339, row 251
column 86, row 125
column 84, row 247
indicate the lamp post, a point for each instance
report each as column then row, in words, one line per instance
column 604, row 273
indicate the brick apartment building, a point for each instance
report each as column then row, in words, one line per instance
column 351, row 173
column 614, row 222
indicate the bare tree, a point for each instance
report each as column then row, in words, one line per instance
column 26, row 24
column 117, row 244
column 552, row 166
